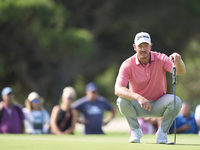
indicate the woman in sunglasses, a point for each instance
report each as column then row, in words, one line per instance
column 37, row 118
column 63, row 118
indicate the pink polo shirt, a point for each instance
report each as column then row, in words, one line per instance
column 148, row 81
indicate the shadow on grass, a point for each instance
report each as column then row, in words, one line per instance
column 189, row 144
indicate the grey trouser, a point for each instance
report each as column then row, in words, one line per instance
column 163, row 107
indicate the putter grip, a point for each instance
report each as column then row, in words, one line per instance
column 174, row 74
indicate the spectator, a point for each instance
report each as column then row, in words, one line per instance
column 185, row 121
column 148, row 125
column 37, row 118
column 92, row 107
column 197, row 116
column 63, row 118
column 11, row 115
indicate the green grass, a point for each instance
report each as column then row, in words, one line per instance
column 110, row 141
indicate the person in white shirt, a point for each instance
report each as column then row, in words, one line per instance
column 197, row 116
column 37, row 119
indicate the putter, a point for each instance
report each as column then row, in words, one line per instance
column 174, row 83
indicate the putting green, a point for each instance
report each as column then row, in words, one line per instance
column 110, row 141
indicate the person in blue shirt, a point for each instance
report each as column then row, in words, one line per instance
column 92, row 107
column 185, row 121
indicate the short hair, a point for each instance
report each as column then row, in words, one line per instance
column 186, row 103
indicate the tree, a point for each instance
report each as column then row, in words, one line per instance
column 39, row 53
column 49, row 44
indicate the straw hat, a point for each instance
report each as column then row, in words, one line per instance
column 34, row 95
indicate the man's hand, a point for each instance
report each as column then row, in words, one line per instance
column 176, row 57
column 144, row 103
column 178, row 63
column 185, row 127
column 105, row 123
column 1, row 105
column 84, row 121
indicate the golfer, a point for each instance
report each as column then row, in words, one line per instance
column 145, row 75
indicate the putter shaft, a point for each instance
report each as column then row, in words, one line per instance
column 174, row 83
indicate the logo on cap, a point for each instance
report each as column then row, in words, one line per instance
column 142, row 36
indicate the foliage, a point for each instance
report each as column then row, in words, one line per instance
column 188, row 85
column 38, row 44
column 46, row 45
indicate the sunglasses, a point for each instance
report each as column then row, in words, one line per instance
column 36, row 101
column 94, row 92
column 70, row 98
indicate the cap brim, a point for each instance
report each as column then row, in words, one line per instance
column 142, row 41
column 91, row 89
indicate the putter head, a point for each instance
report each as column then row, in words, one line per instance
column 172, row 143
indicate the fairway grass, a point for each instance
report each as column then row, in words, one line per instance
column 110, row 141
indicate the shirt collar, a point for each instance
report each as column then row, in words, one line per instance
column 151, row 59
column 5, row 106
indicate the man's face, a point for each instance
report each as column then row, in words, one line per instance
column 143, row 50
column 92, row 95
column 185, row 110
column 8, row 99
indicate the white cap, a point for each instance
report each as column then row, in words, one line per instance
column 33, row 95
column 6, row 91
column 142, row 37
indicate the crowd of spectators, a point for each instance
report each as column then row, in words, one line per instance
column 88, row 111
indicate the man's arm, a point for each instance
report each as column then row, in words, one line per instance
column 123, row 92
column 181, row 129
column 110, row 116
column 179, row 64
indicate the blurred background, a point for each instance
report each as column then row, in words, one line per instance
column 46, row 45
